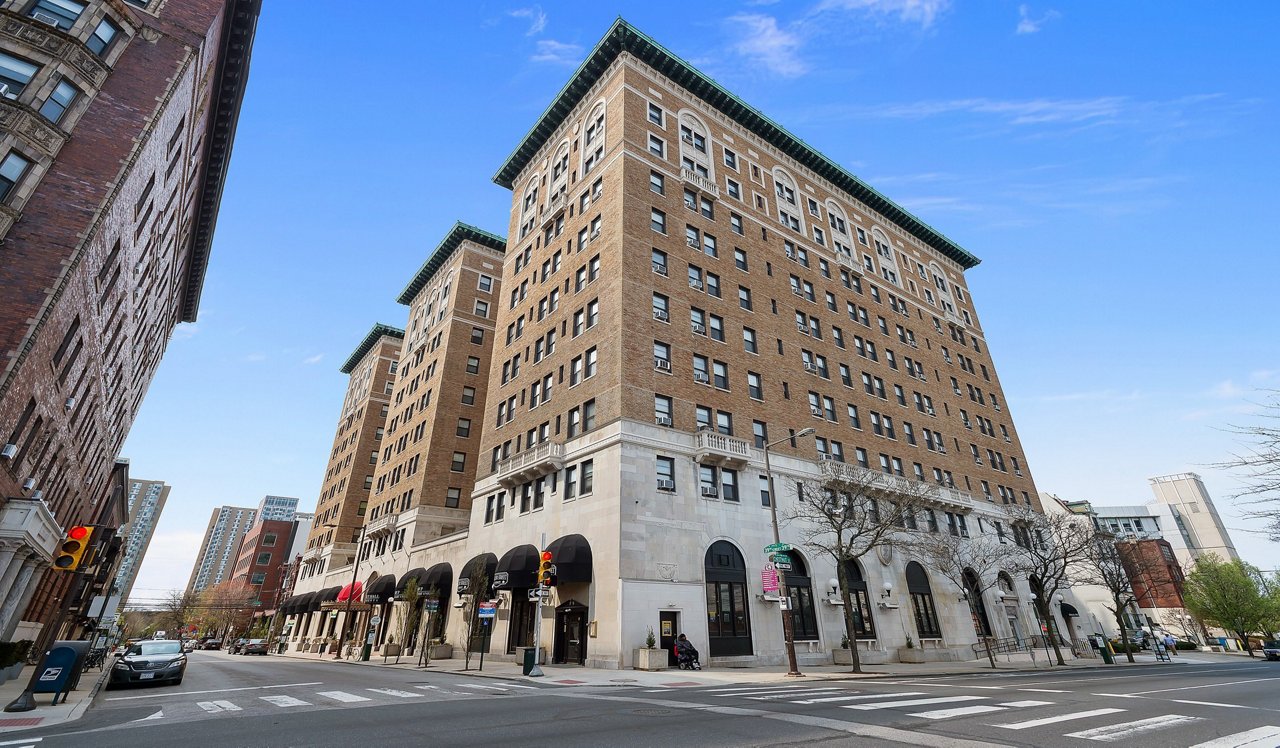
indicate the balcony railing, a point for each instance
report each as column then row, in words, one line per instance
column 938, row 494
column 384, row 525
column 699, row 181
column 530, row 464
column 711, row 448
column 554, row 208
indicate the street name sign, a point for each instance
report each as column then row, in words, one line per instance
column 777, row 547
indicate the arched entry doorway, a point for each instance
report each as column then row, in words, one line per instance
column 728, row 621
column 516, row 572
column 571, row 556
column 436, row 585
column 863, row 625
column 804, row 619
column 977, row 606
column 922, row 606
column 476, row 583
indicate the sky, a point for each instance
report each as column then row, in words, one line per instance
column 1110, row 163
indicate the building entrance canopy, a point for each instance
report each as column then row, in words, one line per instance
column 572, row 556
column 517, row 569
column 483, row 565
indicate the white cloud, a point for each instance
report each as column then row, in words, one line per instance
column 768, row 45
column 537, row 18
column 185, row 332
column 1029, row 25
column 254, row 357
column 922, row 12
column 310, row 360
column 557, row 53
column 1227, row 389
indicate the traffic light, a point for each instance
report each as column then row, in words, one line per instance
column 546, row 570
column 71, row 552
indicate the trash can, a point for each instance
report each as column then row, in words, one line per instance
column 1107, row 655
column 530, row 659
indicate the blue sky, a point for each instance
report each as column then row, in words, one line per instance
column 1113, row 164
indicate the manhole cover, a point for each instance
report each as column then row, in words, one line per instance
column 651, row 712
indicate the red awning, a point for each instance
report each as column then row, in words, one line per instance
column 345, row 592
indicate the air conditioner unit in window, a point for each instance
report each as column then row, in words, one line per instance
column 4, row 91
column 46, row 19
column 695, row 283
column 28, row 484
column 815, row 410
column 1008, row 440
column 662, row 420
column 710, row 491
column 38, row 495
column 70, row 403
column 827, row 457
column 811, row 368
column 666, row 485
column 595, row 233
column 930, row 411
column 662, row 364
column 1018, row 473
column 699, row 328
column 9, row 452
column 802, row 327
column 686, row 137
column 797, row 292
column 701, row 377
column 659, row 268
column 660, row 315
column 692, row 242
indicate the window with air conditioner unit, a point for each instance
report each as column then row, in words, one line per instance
column 659, row 268
column 811, row 368
column 666, row 485
column 710, row 491
column 660, row 315
column 9, row 452
column 695, row 283
column 662, row 364
column 701, row 377
column 815, row 411
column 699, row 328
column 662, row 420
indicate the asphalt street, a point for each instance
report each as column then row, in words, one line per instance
column 268, row 701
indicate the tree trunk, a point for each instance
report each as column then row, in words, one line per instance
column 1244, row 637
column 849, row 631
column 1046, row 614
column 1124, row 631
column 986, row 640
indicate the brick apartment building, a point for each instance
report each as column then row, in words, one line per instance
column 264, row 557
column 684, row 282
column 116, row 125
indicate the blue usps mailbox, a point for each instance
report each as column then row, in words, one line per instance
column 60, row 670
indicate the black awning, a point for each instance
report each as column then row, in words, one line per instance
column 517, row 569
column 439, row 578
column 381, row 590
column 307, row 603
column 329, row 594
column 412, row 575
column 1069, row 611
column 485, row 564
column 286, row 607
column 572, row 558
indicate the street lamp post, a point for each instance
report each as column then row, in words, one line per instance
column 788, row 632
column 351, row 591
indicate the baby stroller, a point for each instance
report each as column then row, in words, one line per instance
column 687, row 659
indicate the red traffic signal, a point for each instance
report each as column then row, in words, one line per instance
column 546, row 570
column 71, row 552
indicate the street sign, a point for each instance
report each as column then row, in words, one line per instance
column 487, row 610
column 782, row 566
column 769, row 578
column 431, row 605
column 777, row 547
column 784, row 603
column 781, row 558
column 375, row 620
column 500, row 579
column 539, row 593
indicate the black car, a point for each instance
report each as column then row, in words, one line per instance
column 150, row 661
column 1271, row 650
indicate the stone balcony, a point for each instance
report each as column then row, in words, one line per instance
column 711, row 448
column 384, row 525
column 554, row 208
column 944, row 496
column 699, row 181
column 530, row 464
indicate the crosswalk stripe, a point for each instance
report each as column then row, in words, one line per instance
column 913, row 702
column 1258, row 737
column 1212, row 703
column 24, row 741
column 863, row 697
column 789, row 694
column 519, row 685
column 396, row 692
column 343, row 696
column 214, row 707
column 960, row 711
column 1043, row 690
column 476, row 685
column 1112, row 733
column 748, row 689
column 1022, row 704
column 284, row 701
column 1059, row 718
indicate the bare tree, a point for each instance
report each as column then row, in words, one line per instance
column 1050, row 548
column 850, row 512
column 1259, row 466
column 407, row 614
column 177, row 610
column 478, row 587
column 1106, row 565
column 972, row 564
column 226, row 606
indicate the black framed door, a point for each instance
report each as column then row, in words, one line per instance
column 520, row 628
column 668, row 630
column 728, row 620
column 571, row 634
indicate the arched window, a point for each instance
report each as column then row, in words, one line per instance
column 593, row 139
column 785, row 187
column 695, row 146
column 804, row 620
column 945, row 299
column 977, row 606
column 863, row 625
column 922, row 606
column 884, row 251
column 728, row 622
column 529, row 206
column 559, row 172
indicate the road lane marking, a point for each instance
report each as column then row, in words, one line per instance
column 1112, row 733
column 748, row 689
column 658, row 690
column 343, row 696
column 1117, row 695
column 396, row 692
column 961, row 711
column 24, row 741
column 1022, row 704
column 790, row 694
column 157, row 715
column 214, row 707
column 1212, row 703
column 214, row 690
column 284, row 701
column 476, row 685
column 1258, row 737
column 913, row 702
column 1043, row 690
column 518, row 685
column 863, row 697
column 1059, row 718
column 1207, row 685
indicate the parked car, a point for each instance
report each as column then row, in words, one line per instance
column 1271, row 650
column 236, row 646
column 254, row 647
column 189, row 645
column 212, row 644
column 150, row 661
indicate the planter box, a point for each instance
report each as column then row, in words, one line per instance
column 842, row 656
column 649, row 659
column 911, row 654
column 391, row 650
column 441, row 651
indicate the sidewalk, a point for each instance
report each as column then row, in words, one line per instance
column 572, row 675
column 46, row 715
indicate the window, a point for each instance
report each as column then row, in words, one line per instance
column 473, row 365
column 729, row 484
column 656, row 146
column 659, row 262
column 482, row 309
column 744, row 298
column 760, row 432
column 464, row 427
column 735, row 223
column 269, row 540
column 15, row 73
column 587, row 482
column 459, row 463
column 101, row 39
column 468, row 395
column 749, row 340
column 452, row 498
column 730, row 159
column 477, row 336
column 12, row 169
column 734, row 189
column 655, row 114
column 666, row 473
column 922, row 606
column 64, row 94
column 485, row 284
column 754, row 387
column 657, row 183
column 729, row 625
column 720, row 374
column 663, row 407
column 658, row 221
column 258, row 577
column 61, row 13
